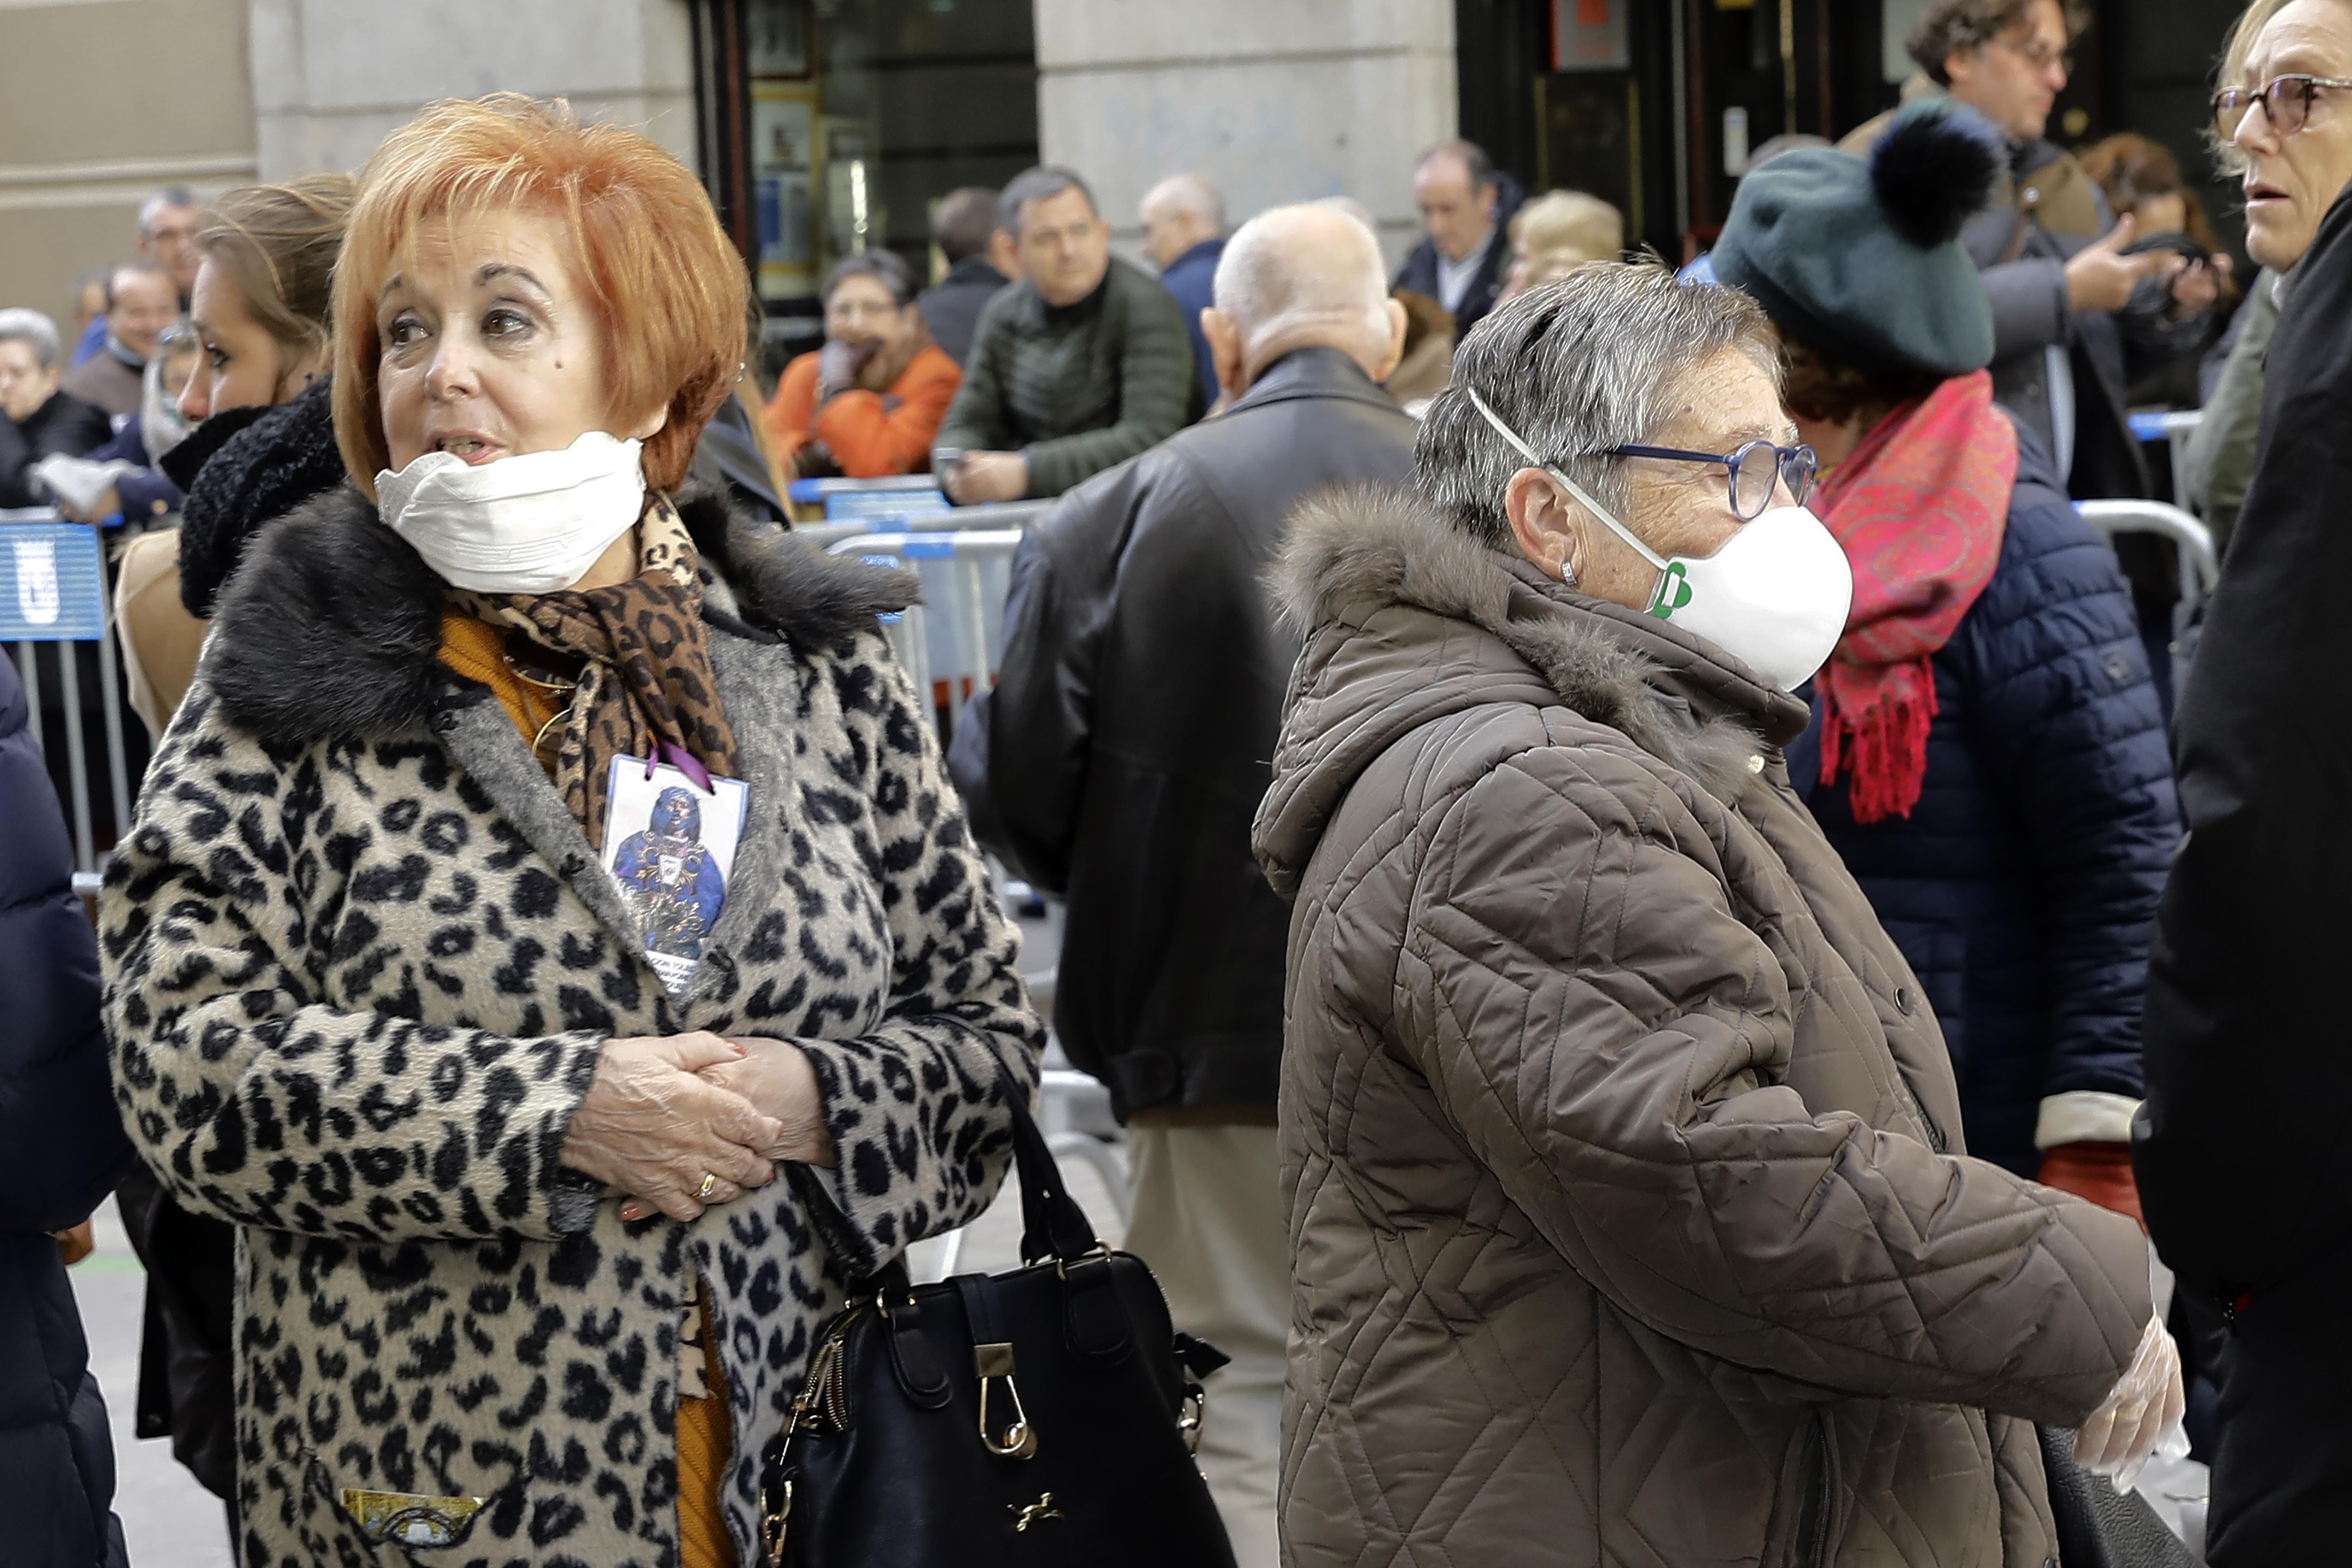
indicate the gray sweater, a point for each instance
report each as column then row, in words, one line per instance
column 1078, row 387
column 2220, row 458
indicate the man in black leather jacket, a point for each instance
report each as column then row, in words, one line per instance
column 1127, row 742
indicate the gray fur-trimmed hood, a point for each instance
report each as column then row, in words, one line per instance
column 333, row 625
column 1406, row 621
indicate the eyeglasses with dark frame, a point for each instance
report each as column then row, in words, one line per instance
column 2041, row 56
column 2285, row 101
column 1755, row 469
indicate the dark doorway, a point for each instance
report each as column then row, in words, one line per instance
column 1601, row 119
column 1708, row 82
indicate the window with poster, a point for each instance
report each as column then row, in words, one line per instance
column 832, row 126
column 1589, row 108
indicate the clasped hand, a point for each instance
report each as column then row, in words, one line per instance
column 663, row 1113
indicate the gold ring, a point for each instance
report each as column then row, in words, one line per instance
column 709, row 1186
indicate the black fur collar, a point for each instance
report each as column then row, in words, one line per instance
column 332, row 626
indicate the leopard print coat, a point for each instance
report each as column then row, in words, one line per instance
column 359, row 963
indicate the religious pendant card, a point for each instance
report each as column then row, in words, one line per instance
column 670, row 844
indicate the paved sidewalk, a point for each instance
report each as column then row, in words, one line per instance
column 168, row 1521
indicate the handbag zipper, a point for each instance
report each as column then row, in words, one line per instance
column 823, row 1397
column 826, row 1392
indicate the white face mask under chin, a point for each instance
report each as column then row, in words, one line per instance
column 532, row 524
column 1775, row 597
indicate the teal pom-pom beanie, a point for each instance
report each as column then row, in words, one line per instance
column 1861, row 260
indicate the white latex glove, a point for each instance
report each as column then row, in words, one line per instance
column 2146, row 1405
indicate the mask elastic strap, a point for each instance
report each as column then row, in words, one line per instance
column 1582, row 497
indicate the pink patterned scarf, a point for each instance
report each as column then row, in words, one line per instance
column 1919, row 505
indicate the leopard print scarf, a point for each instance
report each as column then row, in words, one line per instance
column 635, row 659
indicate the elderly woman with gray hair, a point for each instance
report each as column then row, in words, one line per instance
column 1629, row 1208
column 36, row 420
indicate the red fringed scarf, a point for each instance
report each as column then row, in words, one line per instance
column 1919, row 505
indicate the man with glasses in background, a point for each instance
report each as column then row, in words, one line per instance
column 2078, row 312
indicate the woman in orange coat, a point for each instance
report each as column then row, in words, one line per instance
column 869, row 402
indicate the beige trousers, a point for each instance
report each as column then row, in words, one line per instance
column 160, row 640
column 1208, row 1220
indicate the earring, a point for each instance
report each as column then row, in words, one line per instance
column 1567, row 571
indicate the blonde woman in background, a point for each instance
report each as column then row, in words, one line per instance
column 266, row 440
column 1557, row 233
column 257, row 400
column 254, row 447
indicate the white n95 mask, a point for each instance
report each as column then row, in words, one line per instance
column 1775, row 597
column 531, row 523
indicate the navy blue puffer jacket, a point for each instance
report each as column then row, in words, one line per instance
column 61, row 1150
column 2023, row 886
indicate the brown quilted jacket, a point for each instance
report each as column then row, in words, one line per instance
column 1621, row 1153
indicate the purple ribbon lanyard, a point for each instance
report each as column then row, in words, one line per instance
column 684, row 760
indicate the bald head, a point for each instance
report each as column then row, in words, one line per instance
column 1301, row 277
column 1178, row 214
column 1354, row 209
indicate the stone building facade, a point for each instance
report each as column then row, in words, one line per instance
column 103, row 101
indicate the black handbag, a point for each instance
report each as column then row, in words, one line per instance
column 1043, row 1416
column 2099, row 1527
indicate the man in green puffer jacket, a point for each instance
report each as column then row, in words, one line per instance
column 1079, row 366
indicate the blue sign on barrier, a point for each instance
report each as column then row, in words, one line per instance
column 811, row 491
column 883, row 503
column 52, row 584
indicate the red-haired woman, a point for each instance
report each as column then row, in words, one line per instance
column 499, row 1133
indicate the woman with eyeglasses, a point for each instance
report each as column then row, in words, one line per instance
column 2279, row 226
column 1633, row 1212
column 2241, row 1164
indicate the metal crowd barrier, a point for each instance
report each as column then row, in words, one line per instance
column 2173, row 426
column 811, row 491
column 948, row 641
column 962, row 519
column 1071, row 1101
column 2201, row 568
column 54, row 593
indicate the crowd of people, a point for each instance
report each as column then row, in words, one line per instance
column 1671, row 930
